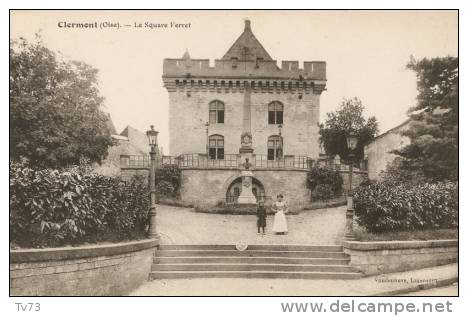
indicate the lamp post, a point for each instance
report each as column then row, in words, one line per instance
column 280, row 127
column 207, row 124
column 153, row 143
column 351, row 141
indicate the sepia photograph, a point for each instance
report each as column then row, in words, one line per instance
column 231, row 153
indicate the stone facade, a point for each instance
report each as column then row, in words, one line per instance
column 299, row 131
column 99, row 270
column 192, row 84
column 377, row 154
column 209, row 187
column 275, row 109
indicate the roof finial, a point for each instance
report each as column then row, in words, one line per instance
column 186, row 54
column 247, row 25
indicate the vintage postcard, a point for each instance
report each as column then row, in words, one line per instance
column 234, row 153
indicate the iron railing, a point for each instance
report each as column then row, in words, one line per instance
column 229, row 161
column 286, row 162
column 202, row 161
column 134, row 161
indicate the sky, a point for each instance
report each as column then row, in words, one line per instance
column 366, row 52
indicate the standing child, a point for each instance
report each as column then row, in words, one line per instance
column 261, row 216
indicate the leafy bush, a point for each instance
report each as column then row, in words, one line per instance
column 391, row 206
column 322, row 192
column 324, row 182
column 164, row 188
column 168, row 179
column 51, row 208
column 398, row 171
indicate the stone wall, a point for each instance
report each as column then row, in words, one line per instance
column 373, row 258
column 128, row 173
column 209, row 186
column 100, row 270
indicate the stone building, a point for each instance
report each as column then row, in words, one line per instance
column 378, row 154
column 245, row 94
column 130, row 147
column 245, row 86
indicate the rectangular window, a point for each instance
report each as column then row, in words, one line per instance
column 220, row 153
column 271, row 154
column 271, row 117
column 279, row 153
column 220, row 116
column 212, row 116
column 212, row 153
column 279, row 117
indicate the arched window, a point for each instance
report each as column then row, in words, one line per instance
column 275, row 113
column 216, row 112
column 275, row 147
column 216, row 147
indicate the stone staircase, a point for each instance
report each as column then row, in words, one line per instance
column 257, row 261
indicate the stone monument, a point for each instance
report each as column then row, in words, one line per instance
column 246, row 196
column 246, row 152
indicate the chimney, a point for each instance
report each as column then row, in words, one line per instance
column 247, row 25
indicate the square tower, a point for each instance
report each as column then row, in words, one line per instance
column 244, row 93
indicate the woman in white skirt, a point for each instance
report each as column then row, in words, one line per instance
column 280, row 226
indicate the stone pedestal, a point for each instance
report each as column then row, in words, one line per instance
column 246, row 196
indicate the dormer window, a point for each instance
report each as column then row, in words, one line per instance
column 258, row 60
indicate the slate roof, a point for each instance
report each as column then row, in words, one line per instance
column 247, row 47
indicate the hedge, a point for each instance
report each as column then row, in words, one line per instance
column 50, row 208
column 391, row 206
column 324, row 182
column 168, row 181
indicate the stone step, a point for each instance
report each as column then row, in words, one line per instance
column 250, row 253
column 327, row 248
column 254, row 274
column 251, row 267
column 251, row 260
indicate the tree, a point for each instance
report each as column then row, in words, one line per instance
column 348, row 118
column 433, row 150
column 55, row 108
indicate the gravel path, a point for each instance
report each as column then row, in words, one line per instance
column 183, row 226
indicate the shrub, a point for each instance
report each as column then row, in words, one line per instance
column 51, row 208
column 164, row 188
column 397, row 171
column 324, row 182
column 322, row 192
column 391, row 206
column 168, row 179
